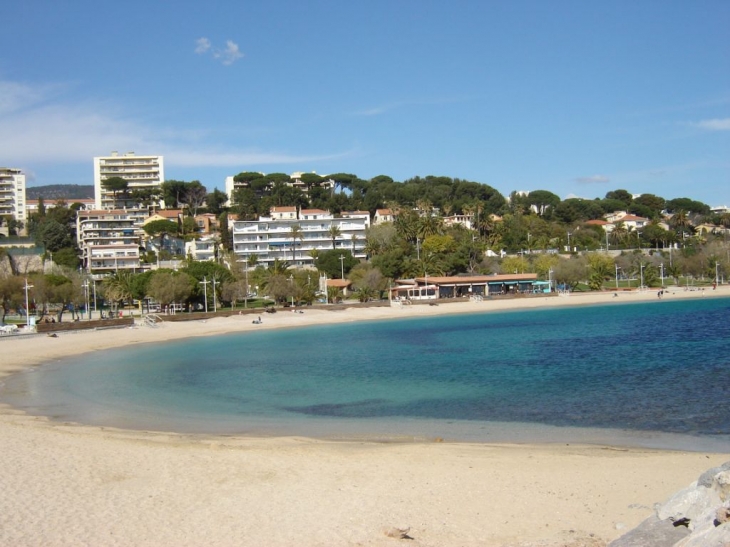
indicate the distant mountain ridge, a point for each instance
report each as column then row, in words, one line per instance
column 52, row 192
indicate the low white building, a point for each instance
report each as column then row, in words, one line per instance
column 269, row 238
column 202, row 250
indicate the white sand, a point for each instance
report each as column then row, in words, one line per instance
column 66, row 484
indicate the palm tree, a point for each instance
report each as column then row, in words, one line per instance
column 429, row 225
column 619, row 233
column 295, row 233
column 680, row 221
column 334, row 232
column 354, row 239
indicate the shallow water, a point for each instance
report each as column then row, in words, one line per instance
column 649, row 374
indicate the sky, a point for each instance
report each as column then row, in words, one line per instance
column 575, row 97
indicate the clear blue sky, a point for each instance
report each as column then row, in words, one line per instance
column 575, row 97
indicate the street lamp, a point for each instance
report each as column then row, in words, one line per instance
column 27, row 311
column 661, row 270
column 291, row 281
column 569, row 234
column 215, row 306
column 641, row 270
column 342, row 266
column 204, row 283
column 617, row 269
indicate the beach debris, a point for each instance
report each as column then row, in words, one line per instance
column 398, row 533
column 52, row 335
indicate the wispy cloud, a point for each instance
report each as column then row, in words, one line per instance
column 382, row 109
column 202, row 45
column 18, row 95
column 593, row 179
column 228, row 55
column 717, row 124
column 56, row 132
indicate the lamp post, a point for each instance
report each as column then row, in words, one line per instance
column 717, row 276
column 204, row 283
column 641, row 270
column 291, row 282
column 342, row 266
column 86, row 298
column 550, row 279
column 215, row 306
column 245, row 273
column 617, row 269
column 27, row 311
column 661, row 271
column 569, row 234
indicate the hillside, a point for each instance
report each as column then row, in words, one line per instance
column 52, row 192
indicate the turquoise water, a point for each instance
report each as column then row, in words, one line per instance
column 656, row 373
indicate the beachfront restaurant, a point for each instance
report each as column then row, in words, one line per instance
column 432, row 288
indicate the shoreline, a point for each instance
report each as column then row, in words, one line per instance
column 66, row 484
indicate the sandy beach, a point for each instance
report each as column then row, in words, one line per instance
column 69, row 484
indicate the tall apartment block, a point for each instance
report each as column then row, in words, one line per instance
column 110, row 240
column 12, row 194
column 139, row 171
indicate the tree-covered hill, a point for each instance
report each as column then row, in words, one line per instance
column 53, row 192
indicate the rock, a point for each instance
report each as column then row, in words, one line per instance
column 714, row 536
column 706, row 477
column 652, row 533
column 398, row 533
column 721, row 484
column 689, row 503
column 722, row 515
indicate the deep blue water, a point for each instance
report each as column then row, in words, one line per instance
column 642, row 369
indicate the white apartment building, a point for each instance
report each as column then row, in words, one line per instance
column 12, row 194
column 139, row 171
column 110, row 240
column 269, row 237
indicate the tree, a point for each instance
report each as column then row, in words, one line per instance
column 334, row 232
column 225, row 231
column 329, row 262
column 172, row 193
column 119, row 287
column 570, row 272
column 295, row 232
column 542, row 200
column 160, row 228
column 216, row 201
column 601, row 267
column 53, row 235
column 11, row 294
column 367, row 281
column 194, row 196
column 115, row 185
column 170, row 287
column 621, row 195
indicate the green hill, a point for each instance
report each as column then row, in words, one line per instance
column 52, row 192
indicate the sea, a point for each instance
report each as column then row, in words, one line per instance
column 653, row 374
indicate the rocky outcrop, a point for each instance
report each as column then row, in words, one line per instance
column 698, row 516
